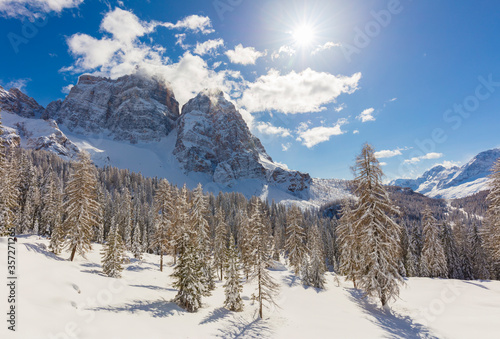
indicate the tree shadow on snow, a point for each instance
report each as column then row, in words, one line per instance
column 216, row 315
column 155, row 288
column 292, row 280
column 476, row 284
column 396, row 325
column 90, row 264
column 240, row 328
column 137, row 268
column 42, row 249
column 157, row 309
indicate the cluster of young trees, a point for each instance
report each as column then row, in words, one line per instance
column 375, row 240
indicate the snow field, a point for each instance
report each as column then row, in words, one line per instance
column 62, row 299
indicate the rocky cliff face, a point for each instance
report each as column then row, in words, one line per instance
column 132, row 108
column 213, row 138
column 15, row 101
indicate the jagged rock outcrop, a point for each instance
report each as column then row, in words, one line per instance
column 213, row 138
column 15, row 101
column 132, row 108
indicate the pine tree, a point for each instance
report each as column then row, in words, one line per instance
column 261, row 254
column 233, row 286
column 188, row 276
column 136, row 242
column 479, row 260
column 57, row 239
column 8, row 191
column 378, row 235
column 113, row 253
column 451, row 253
column 295, row 237
column 433, row 260
column 491, row 232
column 164, row 211
column 81, row 206
column 317, row 267
column 220, row 241
column 348, row 243
column 245, row 242
column 200, row 224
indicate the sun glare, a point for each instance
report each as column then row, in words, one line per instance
column 303, row 35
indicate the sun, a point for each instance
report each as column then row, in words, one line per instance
column 303, row 35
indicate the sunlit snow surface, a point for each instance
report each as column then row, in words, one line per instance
column 58, row 298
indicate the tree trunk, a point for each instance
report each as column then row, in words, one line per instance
column 260, row 295
column 73, row 251
column 161, row 261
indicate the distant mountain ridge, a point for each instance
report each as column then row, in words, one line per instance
column 454, row 182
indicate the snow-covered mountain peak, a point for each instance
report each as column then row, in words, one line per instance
column 454, row 182
column 15, row 101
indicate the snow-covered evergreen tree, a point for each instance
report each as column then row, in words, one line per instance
column 491, row 232
column 8, row 191
column 348, row 243
column 451, row 253
column 220, row 241
column 136, row 242
column 317, row 267
column 245, row 242
column 233, row 286
column 433, row 260
column 188, row 276
column 262, row 257
column 478, row 256
column 379, row 236
column 81, row 206
column 295, row 237
column 164, row 210
column 113, row 253
column 199, row 211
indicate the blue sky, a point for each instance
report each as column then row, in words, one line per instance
column 420, row 80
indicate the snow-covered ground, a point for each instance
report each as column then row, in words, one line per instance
column 62, row 299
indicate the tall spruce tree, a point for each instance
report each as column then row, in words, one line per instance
column 491, row 232
column 81, row 206
column 451, row 253
column 220, row 241
column 136, row 242
column 378, row 235
column 295, row 238
column 348, row 243
column 164, row 211
column 433, row 260
column 113, row 253
column 8, row 191
column 188, row 275
column 233, row 286
column 317, row 267
column 262, row 256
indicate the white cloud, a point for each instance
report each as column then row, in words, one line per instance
column 208, row 46
column 340, row 107
column 20, row 84
column 355, row 131
column 382, row 163
column 449, row 164
column 286, row 147
column 316, row 135
column 284, row 50
column 195, row 23
column 268, row 128
column 427, row 156
column 387, row 153
column 244, row 55
column 302, row 92
column 119, row 53
column 67, row 89
column 366, row 115
column 325, row 47
column 393, row 99
column 32, row 8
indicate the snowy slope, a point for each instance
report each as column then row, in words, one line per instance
column 454, row 182
column 62, row 299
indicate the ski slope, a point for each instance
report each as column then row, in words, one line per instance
column 62, row 299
